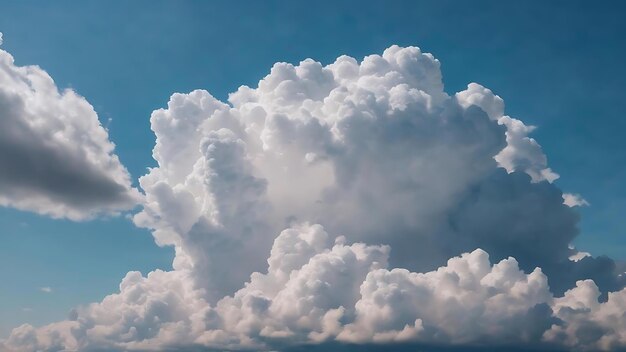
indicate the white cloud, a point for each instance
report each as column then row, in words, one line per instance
column 577, row 255
column 586, row 323
column 45, row 289
column 466, row 301
column 522, row 152
column 574, row 200
column 377, row 152
column 316, row 290
column 55, row 155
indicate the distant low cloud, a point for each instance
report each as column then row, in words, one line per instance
column 55, row 156
column 45, row 289
column 405, row 216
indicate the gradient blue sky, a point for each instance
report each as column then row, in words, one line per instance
column 558, row 65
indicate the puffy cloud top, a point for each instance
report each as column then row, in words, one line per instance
column 376, row 152
column 55, row 155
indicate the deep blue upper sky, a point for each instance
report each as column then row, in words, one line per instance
column 558, row 65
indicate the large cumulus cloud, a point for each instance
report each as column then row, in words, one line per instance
column 408, row 177
column 55, row 156
column 375, row 151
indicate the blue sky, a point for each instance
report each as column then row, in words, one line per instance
column 557, row 65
